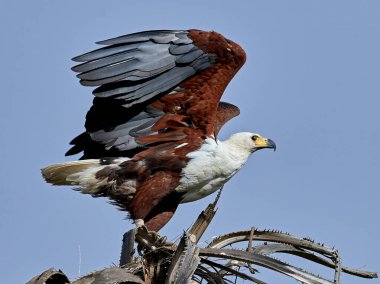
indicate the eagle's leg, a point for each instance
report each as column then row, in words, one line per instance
column 160, row 220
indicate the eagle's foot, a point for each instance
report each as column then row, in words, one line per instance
column 150, row 240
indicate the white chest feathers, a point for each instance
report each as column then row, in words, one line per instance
column 210, row 168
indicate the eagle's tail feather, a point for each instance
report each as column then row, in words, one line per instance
column 87, row 175
column 71, row 173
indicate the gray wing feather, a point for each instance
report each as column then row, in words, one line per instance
column 165, row 82
column 182, row 38
column 159, row 36
column 116, row 72
column 149, row 88
column 202, row 62
column 123, row 136
column 102, row 135
column 146, row 51
column 143, row 129
column 104, row 61
column 144, row 64
column 105, row 52
column 180, row 49
column 190, row 56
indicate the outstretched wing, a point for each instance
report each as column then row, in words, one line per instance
column 155, row 87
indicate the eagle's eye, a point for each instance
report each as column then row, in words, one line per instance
column 254, row 137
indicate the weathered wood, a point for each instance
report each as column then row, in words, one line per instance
column 110, row 276
column 50, row 276
column 127, row 249
column 267, row 262
column 184, row 262
column 224, row 268
column 204, row 219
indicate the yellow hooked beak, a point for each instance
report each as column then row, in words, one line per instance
column 262, row 143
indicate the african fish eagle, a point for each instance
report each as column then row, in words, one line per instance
column 151, row 134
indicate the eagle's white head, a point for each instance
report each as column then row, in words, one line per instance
column 249, row 142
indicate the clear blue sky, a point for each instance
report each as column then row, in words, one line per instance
column 311, row 83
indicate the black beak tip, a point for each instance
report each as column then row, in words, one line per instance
column 272, row 144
